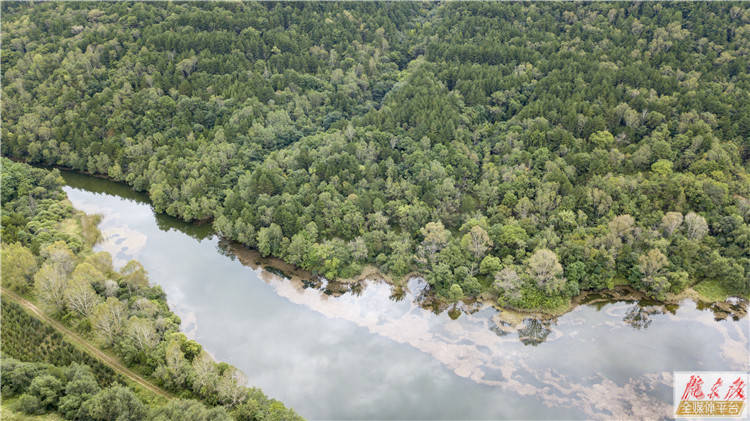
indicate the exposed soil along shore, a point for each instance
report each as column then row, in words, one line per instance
column 735, row 307
column 507, row 319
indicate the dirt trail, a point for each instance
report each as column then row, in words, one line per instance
column 80, row 341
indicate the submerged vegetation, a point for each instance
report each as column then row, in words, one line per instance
column 47, row 255
column 522, row 152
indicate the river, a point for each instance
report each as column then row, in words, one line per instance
column 369, row 355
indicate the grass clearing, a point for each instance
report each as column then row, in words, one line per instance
column 9, row 413
column 711, row 291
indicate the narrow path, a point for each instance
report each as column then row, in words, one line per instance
column 113, row 363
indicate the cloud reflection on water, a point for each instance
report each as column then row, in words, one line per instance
column 580, row 360
column 472, row 349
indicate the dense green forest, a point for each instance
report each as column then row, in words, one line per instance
column 27, row 338
column 47, row 255
column 521, row 152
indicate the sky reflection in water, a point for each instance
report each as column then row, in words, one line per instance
column 366, row 355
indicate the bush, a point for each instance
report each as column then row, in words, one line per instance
column 115, row 403
column 17, row 375
column 29, row 404
column 490, row 265
column 48, row 389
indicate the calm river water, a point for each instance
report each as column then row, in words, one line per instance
column 367, row 355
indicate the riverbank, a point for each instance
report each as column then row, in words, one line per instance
column 705, row 293
column 712, row 296
column 508, row 318
column 49, row 254
column 348, row 345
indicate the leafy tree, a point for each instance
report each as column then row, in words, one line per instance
column 490, row 265
column 510, row 283
column 546, row 271
column 695, row 226
column 50, row 284
column 108, row 319
column 134, row 277
column 455, row 293
column 18, row 267
column 602, row 139
column 81, row 297
column 269, row 240
column 476, row 241
column 47, row 389
column 81, row 386
column 662, row 167
column 115, row 403
column 85, row 272
column 435, row 239
column 30, row 404
column 177, row 373
column 141, row 333
column 509, row 238
column 670, row 222
column 186, row 409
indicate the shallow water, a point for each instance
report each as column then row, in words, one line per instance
column 367, row 355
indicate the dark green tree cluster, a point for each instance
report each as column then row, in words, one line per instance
column 118, row 309
column 26, row 338
column 33, row 207
column 527, row 151
column 73, row 392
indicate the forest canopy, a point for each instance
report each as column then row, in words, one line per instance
column 521, row 151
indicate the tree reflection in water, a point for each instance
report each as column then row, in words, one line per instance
column 534, row 331
column 398, row 294
column 639, row 316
